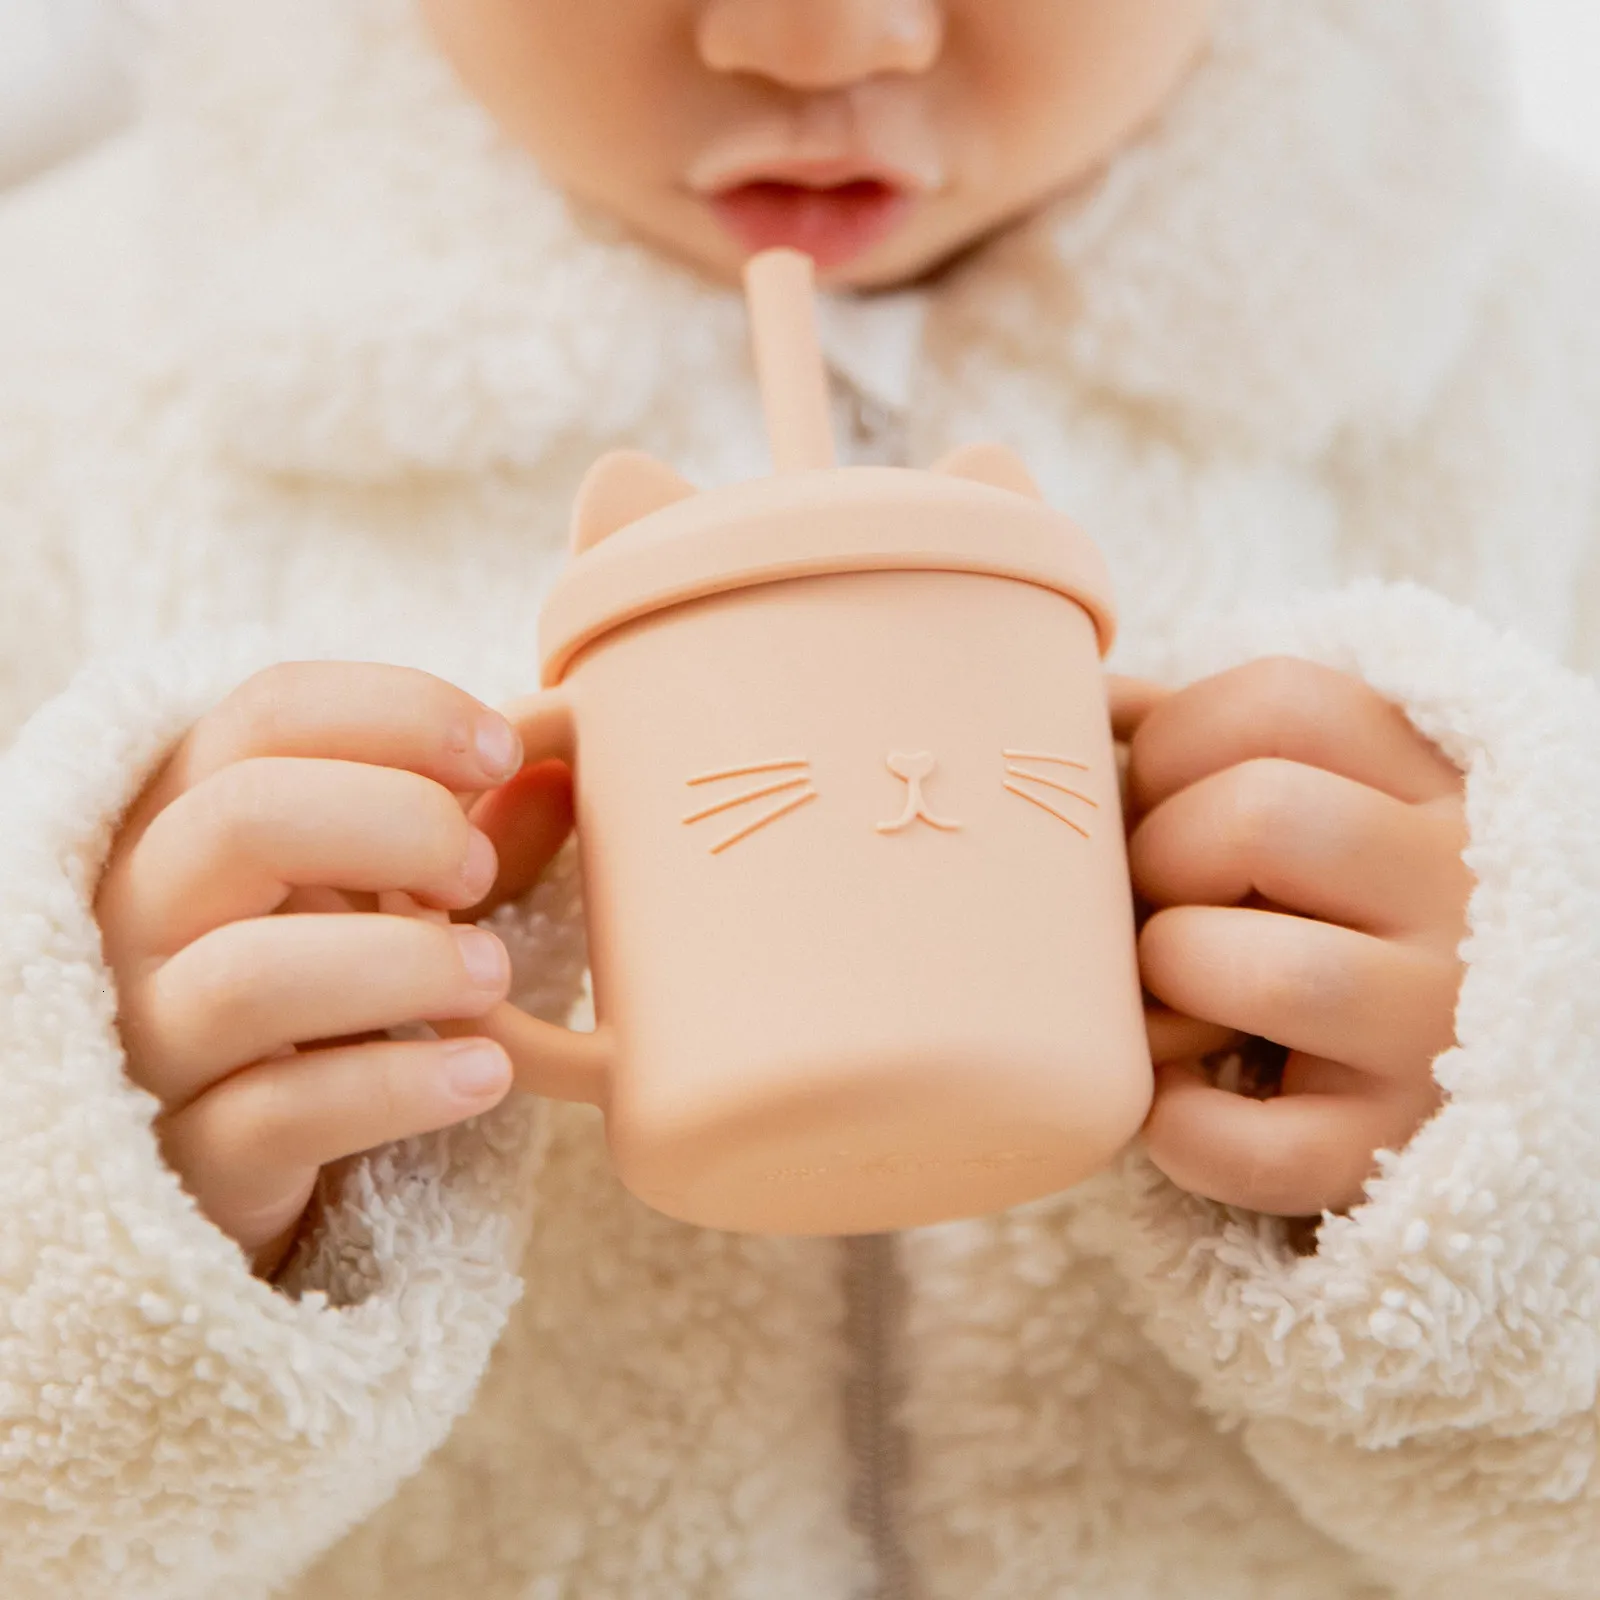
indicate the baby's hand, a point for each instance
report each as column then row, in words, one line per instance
column 311, row 778
column 1302, row 845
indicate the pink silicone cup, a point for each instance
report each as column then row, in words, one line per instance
column 858, row 905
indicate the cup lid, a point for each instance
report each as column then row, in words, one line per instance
column 808, row 524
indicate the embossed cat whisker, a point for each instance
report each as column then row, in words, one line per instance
column 747, row 772
column 744, row 799
column 1013, row 771
column 1034, row 755
column 801, row 780
column 1033, row 799
column 1050, row 783
column 761, row 822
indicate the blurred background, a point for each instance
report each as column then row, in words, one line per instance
column 64, row 78
column 1557, row 59
column 65, row 75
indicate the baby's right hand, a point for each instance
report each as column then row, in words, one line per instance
column 311, row 777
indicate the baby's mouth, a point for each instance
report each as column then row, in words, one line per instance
column 833, row 223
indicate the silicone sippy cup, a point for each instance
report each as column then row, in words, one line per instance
column 858, row 906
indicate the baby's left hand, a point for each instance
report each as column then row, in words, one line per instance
column 1301, row 845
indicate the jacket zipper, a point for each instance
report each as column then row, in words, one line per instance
column 871, row 1276
column 876, row 1446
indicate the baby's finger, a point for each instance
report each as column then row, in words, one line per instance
column 1294, row 1156
column 249, row 1149
column 234, row 846
column 359, row 711
column 1132, row 700
column 244, row 991
column 1291, row 709
column 527, row 820
column 1307, row 985
column 1174, row 1037
column 1308, row 840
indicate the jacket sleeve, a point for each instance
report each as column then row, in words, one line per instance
column 171, row 1427
column 1423, row 1380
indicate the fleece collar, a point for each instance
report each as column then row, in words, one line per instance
column 369, row 283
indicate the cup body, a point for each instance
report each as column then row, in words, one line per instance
column 858, row 901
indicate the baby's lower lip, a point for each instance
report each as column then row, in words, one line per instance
column 833, row 226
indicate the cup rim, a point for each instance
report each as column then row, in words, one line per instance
column 811, row 524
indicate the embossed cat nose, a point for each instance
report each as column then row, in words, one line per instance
column 914, row 770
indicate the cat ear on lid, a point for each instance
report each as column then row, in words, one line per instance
column 621, row 487
column 992, row 464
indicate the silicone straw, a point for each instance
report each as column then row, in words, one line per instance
column 779, row 286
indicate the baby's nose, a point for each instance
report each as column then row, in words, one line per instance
column 820, row 44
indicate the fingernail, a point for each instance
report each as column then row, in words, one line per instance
column 499, row 748
column 484, row 957
column 475, row 1067
column 481, row 864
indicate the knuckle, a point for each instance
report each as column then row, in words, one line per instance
column 218, row 991
column 1267, row 796
column 232, row 803
column 1277, row 679
column 1297, row 980
column 1275, row 691
column 254, row 1119
column 1290, row 698
column 393, row 1095
column 261, row 709
column 1275, row 1168
column 1313, row 698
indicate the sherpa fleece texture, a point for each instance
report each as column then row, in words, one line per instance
column 311, row 364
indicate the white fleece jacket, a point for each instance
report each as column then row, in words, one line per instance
column 312, row 362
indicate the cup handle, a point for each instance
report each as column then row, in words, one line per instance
column 546, row 1059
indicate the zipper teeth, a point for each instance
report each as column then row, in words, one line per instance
column 876, row 438
column 871, row 1274
column 876, row 1445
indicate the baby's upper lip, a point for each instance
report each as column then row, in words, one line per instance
column 711, row 176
